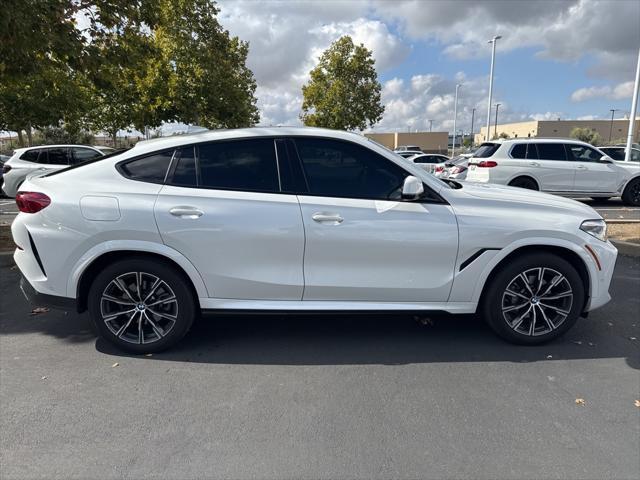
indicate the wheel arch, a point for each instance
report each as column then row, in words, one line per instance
column 527, row 176
column 80, row 280
column 567, row 254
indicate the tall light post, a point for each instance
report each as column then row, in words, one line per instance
column 473, row 114
column 430, row 125
column 455, row 116
column 613, row 112
column 495, row 132
column 493, row 59
column 632, row 115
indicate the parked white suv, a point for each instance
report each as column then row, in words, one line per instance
column 25, row 161
column 560, row 166
column 299, row 219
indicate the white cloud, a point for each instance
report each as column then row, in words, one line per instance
column 618, row 92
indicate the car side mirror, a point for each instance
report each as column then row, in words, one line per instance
column 412, row 188
column 605, row 159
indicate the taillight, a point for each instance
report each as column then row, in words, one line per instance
column 32, row 202
column 6, row 169
column 456, row 170
column 487, row 164
column 439, row 169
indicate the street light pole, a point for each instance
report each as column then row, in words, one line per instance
column 473, row 114
column 430, row 125
column 455, row 115
column 613, row 112
column 632, row 116
column 493, row 59
column 495, row 132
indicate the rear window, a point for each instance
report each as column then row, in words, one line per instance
column 486, row 150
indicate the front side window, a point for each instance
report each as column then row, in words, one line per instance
column 342, row 169
column 152, row 168
column 615, row 153
column 582, row 153
column 551, row 151
column 239, row 165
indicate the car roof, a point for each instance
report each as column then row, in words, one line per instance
column 510, row 141
column 64, row 145
column 253, row 132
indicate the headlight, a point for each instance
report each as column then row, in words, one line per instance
column 595, row 228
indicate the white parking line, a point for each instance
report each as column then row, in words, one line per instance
column 10, row 202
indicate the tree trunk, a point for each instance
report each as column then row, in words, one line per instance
column 29, row 136
column 114, row 136
column 20, row 138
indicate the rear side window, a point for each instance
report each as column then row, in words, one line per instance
column 152, row 168
column 551, row 151
column 185, row 174
column 31, row 155
column 428, row 159
column 239, row 165
column 525, row 150
column 615, row 153
column 57, row 156
column 486, row 150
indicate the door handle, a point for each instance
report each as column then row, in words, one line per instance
column 186, row 212
column 582, row 167
column 331, row 218
column 534, row 164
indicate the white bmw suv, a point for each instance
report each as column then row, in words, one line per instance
column 298, row 219
column 560, row 166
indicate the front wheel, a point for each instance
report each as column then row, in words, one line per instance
column 534, row 299
column 631, row 194
column 141, row 305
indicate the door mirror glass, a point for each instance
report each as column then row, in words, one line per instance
column 412, row 188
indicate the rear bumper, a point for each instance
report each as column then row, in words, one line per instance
column 44, row 300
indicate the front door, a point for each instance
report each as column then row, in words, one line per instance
column 363, row 242
column 222, row 207
column 591, row 174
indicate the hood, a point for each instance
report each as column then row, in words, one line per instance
column 514, row 195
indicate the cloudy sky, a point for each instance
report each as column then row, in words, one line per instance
column 557, row 58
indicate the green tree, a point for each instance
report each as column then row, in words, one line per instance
column 586, row 135
column 343, row 92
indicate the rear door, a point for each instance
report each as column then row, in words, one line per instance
column 363, row 242
column 223, row 208
column 553, row 169
column 591, row 174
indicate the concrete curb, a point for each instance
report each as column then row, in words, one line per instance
column 627, row 248
column 621, row 221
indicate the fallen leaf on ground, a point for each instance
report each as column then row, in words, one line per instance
column 580, row 401
column 44, row 377
column 148, row 355
column 632, row 338
column 592, row 344
column 637, row 403
column 577, row 342
column 549, row 356
column 39, row 310
column 115, row 365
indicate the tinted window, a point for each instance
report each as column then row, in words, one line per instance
column 57, row 156
column 343, row 169
column 524, row 150
column 83, row 154
column 486, row 150
column 184, row 174
column 615, row 153
column 239, row 165
column 152, row 168
column 582, row 153
column 551, row 151
column 31, row 155
column 428, row 159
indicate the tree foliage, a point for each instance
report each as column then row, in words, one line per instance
column 586, row 135
column 343, row 91
column 133, row 64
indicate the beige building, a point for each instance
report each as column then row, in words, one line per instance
column 562, row 129
column 429, row 142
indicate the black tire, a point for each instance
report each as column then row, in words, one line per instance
column 631, row 193
column 524, row 182
column 111, row 307
column 546, row 326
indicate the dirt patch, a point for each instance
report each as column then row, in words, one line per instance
column 6, row 241
column 627, row 232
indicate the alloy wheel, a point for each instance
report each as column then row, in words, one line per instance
column 139, row 307
column 537, row 301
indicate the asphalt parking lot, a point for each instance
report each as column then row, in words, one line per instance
column 321, row 397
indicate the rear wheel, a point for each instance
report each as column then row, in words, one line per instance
column 524, row 182
column 140, row 305
column 534, row 299
column 631, row 194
